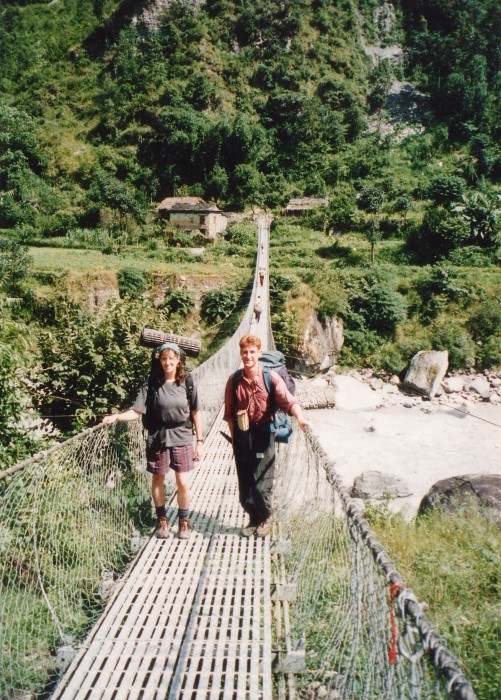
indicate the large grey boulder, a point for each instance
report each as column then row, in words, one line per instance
column 322, row 343
column 377, row 485
column 481, row 490
column 426, row 371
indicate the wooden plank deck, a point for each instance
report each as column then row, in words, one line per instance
column 192, row 619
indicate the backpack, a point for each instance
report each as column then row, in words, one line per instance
column 273, row 359
column 148, row 418
column 281, row 426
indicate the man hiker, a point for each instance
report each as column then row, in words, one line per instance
column 249, row 411
column 258, row 309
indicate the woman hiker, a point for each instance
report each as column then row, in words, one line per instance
column 170, row 402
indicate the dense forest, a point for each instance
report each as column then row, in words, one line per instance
column 390, row 110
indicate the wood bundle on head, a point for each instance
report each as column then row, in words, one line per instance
column 151, row 338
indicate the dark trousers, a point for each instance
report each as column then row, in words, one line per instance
column 254, row 453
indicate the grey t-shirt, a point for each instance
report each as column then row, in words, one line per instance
column 173, row 409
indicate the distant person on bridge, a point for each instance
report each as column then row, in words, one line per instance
column 258, row 309
column 253, row 442
column 170, row 405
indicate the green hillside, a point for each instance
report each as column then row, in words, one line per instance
column 389, row 111
column 240, row 102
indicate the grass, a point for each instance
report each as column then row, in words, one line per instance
column 453, row 562
column 70, row 260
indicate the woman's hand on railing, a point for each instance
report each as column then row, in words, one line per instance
column 124, row 417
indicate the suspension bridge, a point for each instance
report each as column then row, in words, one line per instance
column 93, row 606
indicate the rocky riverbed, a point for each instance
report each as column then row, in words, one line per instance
column 385, row 438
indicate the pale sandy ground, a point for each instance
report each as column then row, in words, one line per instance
column 421, row 448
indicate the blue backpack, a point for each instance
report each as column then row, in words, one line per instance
column 281, row 426
column 275, row 360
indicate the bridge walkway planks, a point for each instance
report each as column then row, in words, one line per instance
column 192, row 619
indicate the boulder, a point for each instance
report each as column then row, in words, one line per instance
column 479, row 385
column 378, row 485
column 426, row 371
column 482, row 490
column 453, row 385
column 322, row 343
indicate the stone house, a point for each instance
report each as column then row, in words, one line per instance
column 193, row 215
column 296, row 207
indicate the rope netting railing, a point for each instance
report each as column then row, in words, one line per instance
column 352, row 628
column 71, row 519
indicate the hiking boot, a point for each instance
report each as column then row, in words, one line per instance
column 184, row 530
column 162, row 531
column 248, row 530
column 263, row 529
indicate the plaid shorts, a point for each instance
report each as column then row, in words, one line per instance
column 178, row 458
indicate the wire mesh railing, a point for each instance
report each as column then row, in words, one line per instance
column 71, row 519
column 354, row 629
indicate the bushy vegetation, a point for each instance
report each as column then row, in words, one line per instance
column 248, row 104
column 452, row 562
column 390, row 310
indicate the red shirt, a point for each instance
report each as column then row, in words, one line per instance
column 252, row 393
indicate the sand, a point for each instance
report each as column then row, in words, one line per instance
column 428, row 441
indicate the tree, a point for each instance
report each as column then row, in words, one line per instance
column 371, row 200
column 106, row 190
column 481, row 211
column 14, row 264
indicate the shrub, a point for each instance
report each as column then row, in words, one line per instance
column 218, row 305
column 340, row 212
column 178, row 239
column 92, row 364
column 242, row 234
column 14, row 264
column 16, row 439
column 359, row 347
column 474, row 256
column 449, row 334
column 177, row 301
column 438, row 287
column 485, row 326
column 131, row 282
column 286, row 332
column 445, row 189
column 381, row 307
column 440, row 233
column 280, row 285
